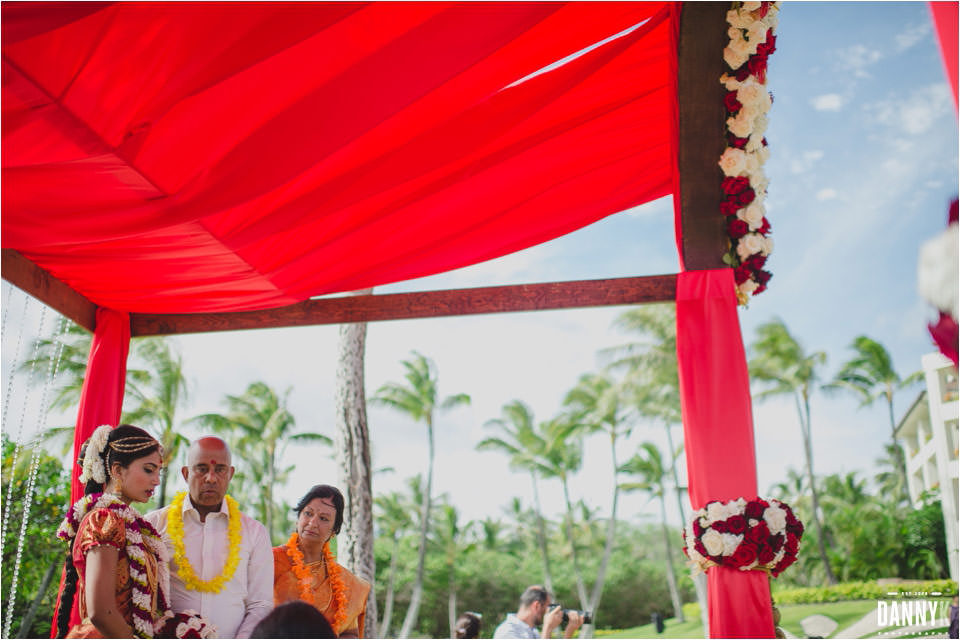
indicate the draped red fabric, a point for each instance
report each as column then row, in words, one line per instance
column 718, row 435
column 945, row 18
column 189, row 157
column 101, row 397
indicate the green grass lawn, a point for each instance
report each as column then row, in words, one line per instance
column 845, row 613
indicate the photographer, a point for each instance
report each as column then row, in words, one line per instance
column 536, row 607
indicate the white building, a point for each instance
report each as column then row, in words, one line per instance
column 929, row 434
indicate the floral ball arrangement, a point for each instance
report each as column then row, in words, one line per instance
column 186, row 624
column 743, row 534
column 747, row 102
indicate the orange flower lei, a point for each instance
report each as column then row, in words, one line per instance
column 306, row 580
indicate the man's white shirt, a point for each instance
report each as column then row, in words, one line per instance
column 514, row 627
column 243, row 601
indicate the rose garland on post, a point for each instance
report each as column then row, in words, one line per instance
column 747, row 102
column 741, row 534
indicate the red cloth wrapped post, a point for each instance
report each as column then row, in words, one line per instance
column 718, row 435
column 101, row 399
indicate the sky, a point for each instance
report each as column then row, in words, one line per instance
column 864, row 141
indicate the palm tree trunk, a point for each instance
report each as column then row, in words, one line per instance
column 671, row 575
column 542, row 535
column 352, row 446
column 414, row 609
column 27, row 621
column 608, row 547
column 452, row 602
column 901, row 460
column 808, row 451
column 581, row 588
column 388, row 605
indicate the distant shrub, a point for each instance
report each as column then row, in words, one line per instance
column 861, row 591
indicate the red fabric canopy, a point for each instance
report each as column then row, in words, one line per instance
column 223, row 157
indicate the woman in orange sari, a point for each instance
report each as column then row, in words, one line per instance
column 305, row 569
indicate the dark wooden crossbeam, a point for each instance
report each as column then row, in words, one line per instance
column 703, row 35
column 54, row 293
column 421, row 304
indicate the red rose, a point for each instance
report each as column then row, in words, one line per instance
column 735, row 142
column 719, row 526
column 764, row 228
column 776, row 541
column 697, row 529
column 733, row 185
column 729, row 207
column 762, row 277
column 731, row 103
column 702, row 550
column 792, row 544
column 762, row 11
column 745, row 197
column 736, row 525
column 745, row 555
column 754, row 509
column 765, row 555
column 758, row 534
column 760, row 289
column 757, row 65
column 737, row 228
column 742, row 73
column 741, row 274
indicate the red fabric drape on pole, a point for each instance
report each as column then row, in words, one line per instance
column 718, row 435
column 101, row 398
column 945, row 16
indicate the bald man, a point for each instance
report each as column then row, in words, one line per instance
column 245, row 596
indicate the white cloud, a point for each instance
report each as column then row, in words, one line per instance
column 826, row 194
column 805, row 161
column 857, row 58
column 913, row 113
column 911, row 35
column 828, row 102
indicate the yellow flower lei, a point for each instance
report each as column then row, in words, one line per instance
column 184, row 568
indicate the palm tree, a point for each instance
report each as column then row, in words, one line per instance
column 393, row 520
column 870, row 375
column 522, row 443
column 890, row 478
column 451, row 537
column 418, row 399
column 780, row 363
column 648, row 464
column 561, row 458
column 158, row 395
column 596, row 401
column 259, row 427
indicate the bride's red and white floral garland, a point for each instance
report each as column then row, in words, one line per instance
column 747, row 102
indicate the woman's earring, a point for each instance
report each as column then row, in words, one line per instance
column 118, row 485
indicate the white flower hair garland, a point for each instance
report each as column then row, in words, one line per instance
column 93, row 467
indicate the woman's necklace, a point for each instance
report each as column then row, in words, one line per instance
column 338, row 590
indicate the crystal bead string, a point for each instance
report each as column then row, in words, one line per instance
column 52, row 368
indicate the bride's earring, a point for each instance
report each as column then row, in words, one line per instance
column 117, row 485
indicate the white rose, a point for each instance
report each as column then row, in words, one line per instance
column 731, row 83
column 754, row 161
column 759, row 182
column 740, row 125
column 776, row 519
column 748, row 286
column 767, row 246
column 733, row 162
column 730, row 543
column 741, row 48
column 763, row 153
column 712, row 542
column 750, row 6
column 760, row 124
column 937, row 271
column 737, row 19
column 734, row 59
column 716, row 511
column 749, row 91
column 749, row 244
column 754, row 142
column 757, row 33
column 735, row 33
column 752, row 214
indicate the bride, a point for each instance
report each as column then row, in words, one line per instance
column 117, row 564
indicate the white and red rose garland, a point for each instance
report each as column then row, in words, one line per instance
column 747, row 102
column 743, row 534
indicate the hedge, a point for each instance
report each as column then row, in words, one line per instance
column 863, row 591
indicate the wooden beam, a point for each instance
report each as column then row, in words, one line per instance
column 422, row 304
column 24, row 274
column 703, row 35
